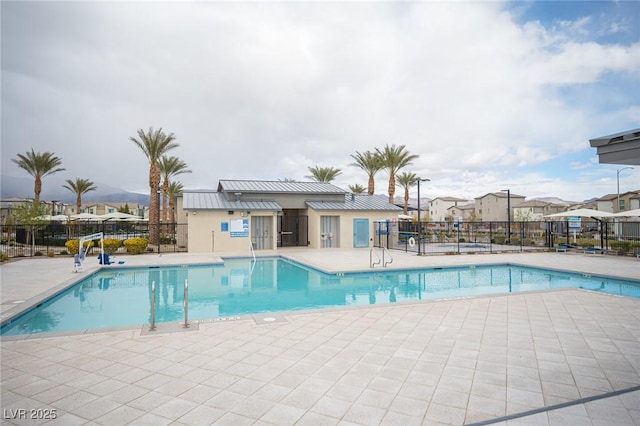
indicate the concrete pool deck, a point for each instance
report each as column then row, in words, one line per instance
column 552, row 357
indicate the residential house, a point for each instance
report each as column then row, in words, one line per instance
column 465, row 211
column 100, row 208
column 493, row 207
column 9, row 205
column 627, row 201
column 265, row 215
column 439, row 206
column 606, row 203
column 535, row 210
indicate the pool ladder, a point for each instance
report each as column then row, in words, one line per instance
column 384, row 263
column 185, row 304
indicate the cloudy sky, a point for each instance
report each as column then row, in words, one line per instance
column 491, row 95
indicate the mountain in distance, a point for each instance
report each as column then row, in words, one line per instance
column 22, row 187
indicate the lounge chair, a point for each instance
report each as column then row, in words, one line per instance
column 565, row 247
column 594, row 250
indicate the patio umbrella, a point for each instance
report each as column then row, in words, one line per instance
column 596, row 214
column 118, row 216
column 89, row 217
column 630, row 213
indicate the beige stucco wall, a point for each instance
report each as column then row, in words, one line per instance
column 346, row 225
column 206, row 234
column 492, row 208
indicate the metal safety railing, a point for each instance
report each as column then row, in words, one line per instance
column 382, row 260
column 152, row 325
column 373, row 264
column 185, row 304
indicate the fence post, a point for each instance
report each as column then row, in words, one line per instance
column 490, row 238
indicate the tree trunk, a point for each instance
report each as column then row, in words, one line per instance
column 392, row 187
column 165, row 200
column 372, row 185
column 406, row 200
column 154, row 204
column 37, row 189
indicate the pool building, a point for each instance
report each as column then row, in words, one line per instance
column 266, row 215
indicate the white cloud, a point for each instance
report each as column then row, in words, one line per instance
column 265, row 90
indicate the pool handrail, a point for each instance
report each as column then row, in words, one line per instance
column 152, row 326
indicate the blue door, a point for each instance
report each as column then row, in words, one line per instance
column 360, row 233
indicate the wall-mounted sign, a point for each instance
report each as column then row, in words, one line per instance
column 239, row 228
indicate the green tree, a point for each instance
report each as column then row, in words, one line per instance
column 394, row 158
column 407, row 181
column 38, row 165
column 169, row 167
column 79, row 187
column 371, row 163
column 154, row 144
column 356, row 188
column 323, row 174
column 31, row 216
column 125, row 209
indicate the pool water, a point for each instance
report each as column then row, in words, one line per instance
column 121, row 297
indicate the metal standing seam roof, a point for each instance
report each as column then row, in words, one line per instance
column 217, row 201
column 278, row 187
column 359, row 202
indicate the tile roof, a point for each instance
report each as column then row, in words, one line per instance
column 217, row 201
column 278, row 187
column 355, row 202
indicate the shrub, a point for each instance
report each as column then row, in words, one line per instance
column 50, row 253
column 4, row 257
column 499, row 239
column 621, row 247
column 136, row 245
column 111, row 245
column 167, row 240
column 74, row 245
column 38, row 253
column 587, row 242
column 64, row 253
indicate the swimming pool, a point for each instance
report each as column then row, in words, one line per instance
column 121, row 297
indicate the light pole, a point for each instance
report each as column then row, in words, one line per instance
column 508, row 215
column 618, row 187
column 419, row 225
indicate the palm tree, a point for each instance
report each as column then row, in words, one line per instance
column 407, row 180
column 371, row 163
column 38, row 165
column 356, row 188
column 393, row 159
column 323, row 174
column 79, row 187
column 154, row 144
column 169, row 167
column 175, row 188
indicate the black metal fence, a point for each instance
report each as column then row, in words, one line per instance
column 494, row 237
column 49, row 240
